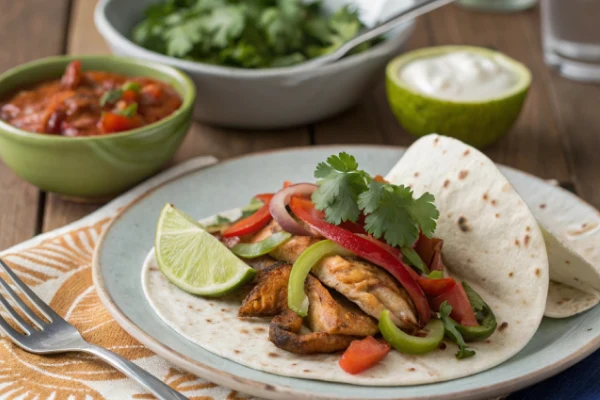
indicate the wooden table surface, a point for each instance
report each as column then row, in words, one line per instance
column 556, row 137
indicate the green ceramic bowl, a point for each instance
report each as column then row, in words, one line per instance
column 100, row 166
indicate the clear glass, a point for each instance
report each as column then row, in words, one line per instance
column 498, row 5
column 571, row 37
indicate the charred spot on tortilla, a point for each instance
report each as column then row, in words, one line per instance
column 273, row 355
column 463, row 174
column 542, row 206
column 208, row 320
column 569, row 262
column 528, row 229
column 153, row 269
column 236, row 351
column 446, row 183
column 511, row 274
column 517, row 243
column 224, row 309
column 537, row 272
column 444, row 151
column 211, row 304
column 436, row 141
column 416, row 174
column 503, row 326
column 497, row 215
column 411, row 369
column 526, row 240
column 485, row 196
column 466, row 153
column 306, row 370
column 442, row 346
column 259, row 329
column 244, row 331
column 494, row 202
column 463, row 224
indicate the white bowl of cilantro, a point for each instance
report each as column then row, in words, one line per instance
column 246, row 57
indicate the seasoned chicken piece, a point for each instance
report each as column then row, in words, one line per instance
column 369, row 287
column 365, row 284
column 290, row 250
column 325, row 314
column 269, row 296
column 336, row 315
column 284, row 332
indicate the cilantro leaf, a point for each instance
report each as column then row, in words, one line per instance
column 484, row 314
column 111, row 97
column 225, row 25
column 425, row 213
column 129, row 111
column 339, row 187
column 414, row 259
column 181, row 39
column 452, row 333
column 389, row 216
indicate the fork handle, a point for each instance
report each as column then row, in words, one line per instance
column 154, row 385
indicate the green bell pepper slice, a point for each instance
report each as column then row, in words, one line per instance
column 297, row 299
column 484, row 314
column 408, row 344
column 265, row 246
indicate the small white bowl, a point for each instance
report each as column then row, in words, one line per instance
column 259, row 98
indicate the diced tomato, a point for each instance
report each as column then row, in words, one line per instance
column 462, row 311
column 253, row 223
column 368, row 250
column 379, row 178
column 111, row 122
column 363, row 354
column 129, row 96
column 435, row 287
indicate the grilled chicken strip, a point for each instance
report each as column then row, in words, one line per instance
column 371, row 288
column 284, row 332
column 325, row 313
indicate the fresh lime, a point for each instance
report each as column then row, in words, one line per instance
column 193, row 259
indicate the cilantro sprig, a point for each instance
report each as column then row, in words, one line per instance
column 391, row 211
column 246, row 34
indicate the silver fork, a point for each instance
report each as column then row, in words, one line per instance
column 58, row 336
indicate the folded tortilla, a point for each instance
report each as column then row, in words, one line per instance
column 462, row 178
column 491, row 240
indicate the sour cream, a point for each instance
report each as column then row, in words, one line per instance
column 459, row 76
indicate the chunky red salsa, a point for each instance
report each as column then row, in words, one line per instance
column 89, row 103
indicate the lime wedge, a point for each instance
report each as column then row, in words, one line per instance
column 193, row 259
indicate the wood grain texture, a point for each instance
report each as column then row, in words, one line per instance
column 201, row 140
column 20, row 21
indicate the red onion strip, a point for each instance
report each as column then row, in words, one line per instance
column 279, row 212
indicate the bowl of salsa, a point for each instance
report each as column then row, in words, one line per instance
column 92, row 126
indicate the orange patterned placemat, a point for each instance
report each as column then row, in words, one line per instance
column 57, row 265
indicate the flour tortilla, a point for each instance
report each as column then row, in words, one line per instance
column 461, row 177
column 512, row 279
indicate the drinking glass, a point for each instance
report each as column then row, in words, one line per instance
column 571, row 37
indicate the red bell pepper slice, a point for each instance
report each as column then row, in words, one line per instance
column 426, row 248
column 435, row 287
column 253, row 223
column 462, row 311
column 367, row 250
column 363, row 354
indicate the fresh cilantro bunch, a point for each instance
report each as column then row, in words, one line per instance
column 391, row 211
column 247, row 34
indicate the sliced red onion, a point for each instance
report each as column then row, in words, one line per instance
column 279, row 212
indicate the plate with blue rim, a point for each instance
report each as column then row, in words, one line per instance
column 119, row 257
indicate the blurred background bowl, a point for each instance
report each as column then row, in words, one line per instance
column 260, row 98
column 94, row 167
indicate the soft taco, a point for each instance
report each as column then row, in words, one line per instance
column 438, row 271
column 461, row 177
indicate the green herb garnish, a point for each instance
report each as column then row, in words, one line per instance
column 453, row 333
column 131, row 85
column 391, row 210
column 111, row 97
column 129, row 111
column 252, row 34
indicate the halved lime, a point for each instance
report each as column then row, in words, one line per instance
column 193, row 259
